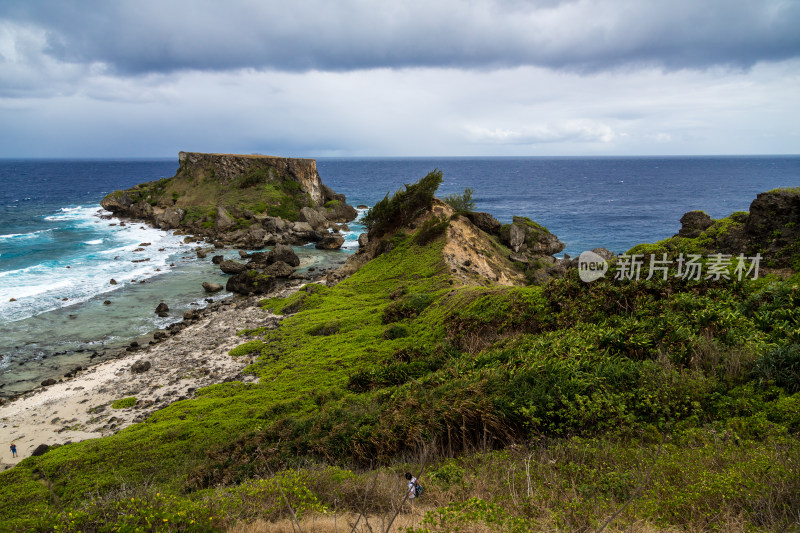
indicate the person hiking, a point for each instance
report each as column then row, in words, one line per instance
column 13, row 450
column 414, row 488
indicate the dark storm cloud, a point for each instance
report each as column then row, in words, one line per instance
column 151, row 36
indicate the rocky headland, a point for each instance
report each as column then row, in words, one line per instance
column 246, row 201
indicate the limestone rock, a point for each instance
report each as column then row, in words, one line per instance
column 250, row 282
column 224, row 221
column 313, row 218
column 139, row 367
column 485, row 222
column 525, row 235
column 283, row 252
column 694, row 223
column 231, row 267
column 331, row 241
column 279, row 269
column 254, row 237
column 363, row 240
column 775, row 212
column 169, row 218
column 212, row 287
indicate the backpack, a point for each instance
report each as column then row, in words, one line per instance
column 417, row 489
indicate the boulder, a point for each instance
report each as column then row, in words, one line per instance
column 40, row 450
column 279, row 269
column 339, row 211
column 162, row 309
column 250, row 282
column 254, row 237
column 775, row 218
column 217, row 259
column 314, row 219
column 331, row 241
column 527, row 236
column 267, row 222
column 283, row 252
column 224, row 221
column 140, row 367
column 516, row 237
column 485, row 222
column 545, row 244
column 363, row 240
column 694, row 223
column 170, row 218
column 212, row 287
column 231, row 267
column 605, row 253
column 302, row 227
column 48, row 382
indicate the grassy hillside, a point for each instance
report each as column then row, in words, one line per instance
column 528, row 408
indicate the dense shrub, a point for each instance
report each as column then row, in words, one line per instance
column 780, row 366
column 403, row 206
column 461, row 203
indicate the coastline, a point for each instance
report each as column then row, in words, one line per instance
column 79, row 408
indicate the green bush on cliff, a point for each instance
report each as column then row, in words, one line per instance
column 461, row 203
column 404, row 205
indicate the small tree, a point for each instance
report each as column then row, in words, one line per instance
column 403, row 206
column 461, row 203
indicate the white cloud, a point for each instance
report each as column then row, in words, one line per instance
column 580, row 131
column 587, row 76
column 521, row 111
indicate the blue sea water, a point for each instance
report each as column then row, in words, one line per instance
column 57, row 253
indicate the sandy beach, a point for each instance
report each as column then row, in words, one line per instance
column 79, row 408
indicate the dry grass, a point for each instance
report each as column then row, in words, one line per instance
column 343, row 523
column 340, row 523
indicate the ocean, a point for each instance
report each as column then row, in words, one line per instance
column 58, row 253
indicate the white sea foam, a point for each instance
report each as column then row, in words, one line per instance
column 84, row 272
column 30, row 235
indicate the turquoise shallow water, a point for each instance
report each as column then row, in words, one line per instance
column 51, row 343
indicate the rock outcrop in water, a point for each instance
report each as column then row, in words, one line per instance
column 249, row 201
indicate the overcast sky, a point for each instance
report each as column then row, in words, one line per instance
column 147, row 78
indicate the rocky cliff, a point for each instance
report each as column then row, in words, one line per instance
column 771, row 228
column 246, row 200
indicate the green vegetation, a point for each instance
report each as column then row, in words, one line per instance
column 124, row 403
column 404, row 205
column 531, row 408
column 261, row 190
column 461, row 203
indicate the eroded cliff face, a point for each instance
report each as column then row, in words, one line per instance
column 227, row 168
column 246, row 200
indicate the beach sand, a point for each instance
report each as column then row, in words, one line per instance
column 79, row 408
